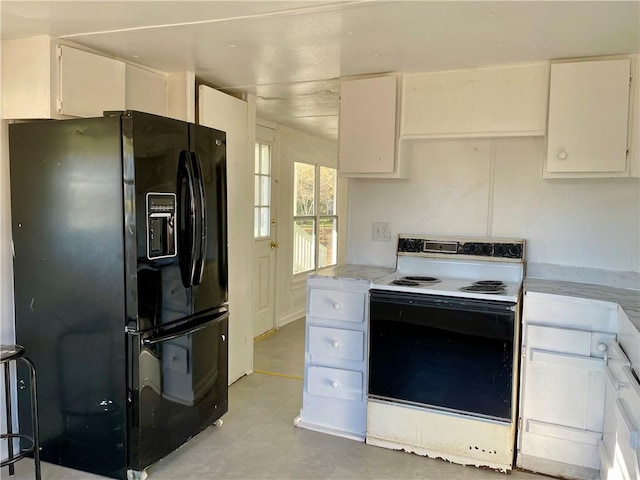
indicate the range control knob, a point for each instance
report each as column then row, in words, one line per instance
column 507, row 250
column 409, row 245
column 477, row 248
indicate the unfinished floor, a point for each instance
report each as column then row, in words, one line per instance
column 258, row 439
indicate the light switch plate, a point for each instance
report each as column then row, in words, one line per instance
column 381, row 231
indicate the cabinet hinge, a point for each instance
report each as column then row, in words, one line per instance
column 630, row 79
column 59, row 51
column 59, row 105
column 628, row 151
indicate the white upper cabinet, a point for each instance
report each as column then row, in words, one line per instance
column 41, row 79
column 483, row 102
column 146, row 91
column 89, row 84
column 588, row 119
column 367, row 131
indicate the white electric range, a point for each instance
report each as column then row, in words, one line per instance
column 443, row 349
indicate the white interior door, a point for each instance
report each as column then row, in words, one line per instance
column 231, row 115
column 264, row 232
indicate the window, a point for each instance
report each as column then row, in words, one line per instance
column 315, row 220
column 262, row 189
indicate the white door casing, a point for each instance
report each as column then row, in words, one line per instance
column 266, row 248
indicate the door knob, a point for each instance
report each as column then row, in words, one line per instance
column 274, row 245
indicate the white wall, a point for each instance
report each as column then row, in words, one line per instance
column 295, row 146
column 494, row 187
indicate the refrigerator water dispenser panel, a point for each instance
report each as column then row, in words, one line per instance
column 161, row 216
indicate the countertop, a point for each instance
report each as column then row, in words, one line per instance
column 354, row 272
column 629, row 300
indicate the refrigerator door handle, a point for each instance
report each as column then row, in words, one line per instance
column 186, row 220
column 184, row 330
column 201, row 220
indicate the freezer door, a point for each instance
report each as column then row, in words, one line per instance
column 181, row 384
column 208, row 154
column 67, row 225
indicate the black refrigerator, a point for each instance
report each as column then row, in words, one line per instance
column 120, row 273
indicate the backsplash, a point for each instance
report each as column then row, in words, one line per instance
column 494, row 187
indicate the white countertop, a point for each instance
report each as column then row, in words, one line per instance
column 353, row 272
column 629, row 300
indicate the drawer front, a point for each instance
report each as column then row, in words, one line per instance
column 336, row 383
column 337, row 305
column 336, row 343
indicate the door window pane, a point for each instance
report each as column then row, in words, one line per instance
column 304, row 245
column 265, row 190
column 265, row 157
column 264, row 221
column 262, row 191
column 328, row 241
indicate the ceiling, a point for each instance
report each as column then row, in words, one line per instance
column 292, row 53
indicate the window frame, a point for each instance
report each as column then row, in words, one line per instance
column 258, row 207
column 316, row 218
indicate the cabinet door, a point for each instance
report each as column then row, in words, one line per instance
column 89, row 84
column 487, row 102
column 588, row 114
column 368, row 125
column 563, row 394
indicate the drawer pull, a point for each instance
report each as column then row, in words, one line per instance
column 335, row 384
column 602, row 347
column 335, row 344
column 336, row 306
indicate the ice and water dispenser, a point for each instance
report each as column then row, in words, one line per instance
column 161, row 216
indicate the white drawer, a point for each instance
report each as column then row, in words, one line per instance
column 336, row 343
column 334, row 382
column 337, row 304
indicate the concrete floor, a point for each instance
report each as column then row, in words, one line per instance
column 258, row 439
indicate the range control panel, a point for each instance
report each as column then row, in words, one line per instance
column 472, row 247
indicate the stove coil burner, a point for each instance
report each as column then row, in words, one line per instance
column 486, row 286
column 421, row 279
column 492, row 283
column 404, row 283
column 414, row 281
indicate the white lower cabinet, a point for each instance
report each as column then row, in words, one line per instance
column 563, row 385
column 334, row 398
column 620, row 448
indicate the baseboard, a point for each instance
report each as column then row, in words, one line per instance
column 292, row 317
column 554, row 468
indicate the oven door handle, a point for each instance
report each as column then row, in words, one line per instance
column 437, row 301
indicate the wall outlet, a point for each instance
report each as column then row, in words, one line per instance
column 381, row 231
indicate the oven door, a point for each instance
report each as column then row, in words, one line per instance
column 450, row 353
